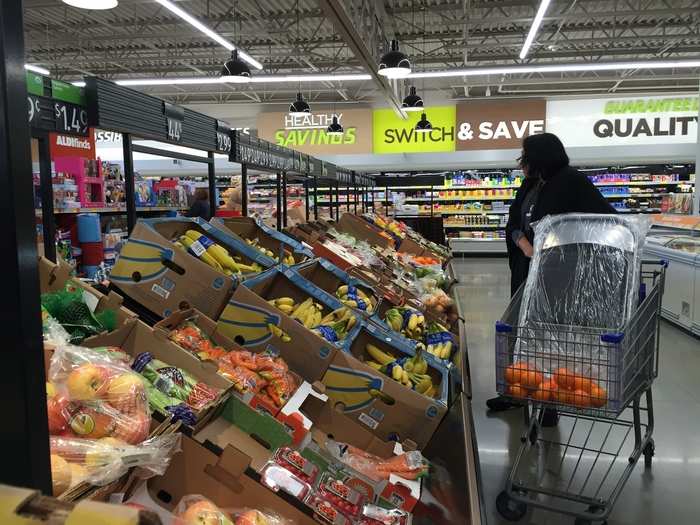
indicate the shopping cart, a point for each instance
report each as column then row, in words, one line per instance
column 599, row 385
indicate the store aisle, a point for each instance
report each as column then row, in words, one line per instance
column 668, row 493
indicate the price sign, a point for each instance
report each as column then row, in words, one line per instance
column 70, row 118
column 174, row 119
column 223, row 137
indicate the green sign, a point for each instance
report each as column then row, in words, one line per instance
column 67, row 92
column 395, row 135
column 35, row 84
column 652, row 105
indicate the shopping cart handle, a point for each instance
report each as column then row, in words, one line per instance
column 657, row 262
column 615, row 337
column 502, row 327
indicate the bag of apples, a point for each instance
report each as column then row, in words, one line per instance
column 196, row 510
column 99, row 418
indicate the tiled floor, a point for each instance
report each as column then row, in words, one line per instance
column 667, row 494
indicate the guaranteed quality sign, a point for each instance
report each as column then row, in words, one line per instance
column 624, row 122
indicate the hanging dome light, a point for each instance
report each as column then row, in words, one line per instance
column 335, row 128
column 423, row 125
column 92, row 4
column 235, row 70
column 394, row 63
column 299, row 108
column 412, row 102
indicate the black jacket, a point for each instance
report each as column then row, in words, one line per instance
column 569, row 191
column 200, row 209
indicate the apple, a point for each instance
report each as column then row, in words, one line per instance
column 132, row 429
column 87, row 382
column 252, row 517
column 60, row 474
column 56, row 408
column 125, row 392
column 204, row 513
column 90, row 424
column 50, row 389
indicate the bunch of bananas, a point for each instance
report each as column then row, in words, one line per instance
column 355, row 298
column 255, row 243
column 407, row 321
column 214, row 255
column 308, row 313
column 410, row 372
column 336, row 325
column 278, row 332
column 439, row 340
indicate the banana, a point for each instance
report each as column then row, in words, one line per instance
column 378, row 355
column 397, row 373
column 288, row 301
column 352, row 304
column 286, row 308
column 301, row 308
column 205, row 257
column 408, row 366
column 342, row 290
column 412, row 322
column 430, row 392
column 446, row 350
column 405, row 377
column 374, row 364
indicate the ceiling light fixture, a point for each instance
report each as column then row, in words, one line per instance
column 175, row 81
column 558, row 68
column 235, row 70
column 544, row 4
column 335, row 128
column 204, row 29
column 92, row 4
column 37, row 69
column 394, row 63
column 423, row 125
column 299, row 108
column 412, row 102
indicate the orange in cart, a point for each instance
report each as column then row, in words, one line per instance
column 582, row 383
column 547, row 391
column 565, row 378
column 599, row 397
column 517, row 391
column 581, row 398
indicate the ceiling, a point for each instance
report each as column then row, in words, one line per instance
column 141, row 39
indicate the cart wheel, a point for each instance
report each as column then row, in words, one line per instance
column 510, row 509
column 649, row 453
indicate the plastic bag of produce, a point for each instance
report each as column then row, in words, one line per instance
column 102, row 461
column 96, row 395
column 70, row 309
column 54, row 333
column 197, row 510
column 409, row 465
column 190, row 337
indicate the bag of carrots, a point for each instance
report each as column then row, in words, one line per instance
column 409, row 465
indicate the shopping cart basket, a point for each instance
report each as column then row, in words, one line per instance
column 599, row 382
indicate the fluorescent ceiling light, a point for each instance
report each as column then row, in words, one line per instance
column 544, row 4
column 557, row 68
column 37, row 69
column 211, row 34
column 92, row 4
column 309, row 78
column 224, row 80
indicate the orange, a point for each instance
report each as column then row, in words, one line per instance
column 532, row 379
column 582, row 383
column 565, row 397
column 581, row 399
column 516, row 391
column 515, row 373
column 541, row 394
column 599, row 397
column 565, row 378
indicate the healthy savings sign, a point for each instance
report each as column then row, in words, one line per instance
column 624, row 121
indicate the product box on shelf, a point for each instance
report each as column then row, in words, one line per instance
column 164, row 278
column 251, row 321
column 243, row 378
column 54, row 277
column 221, row 476
column 388, row 408
column 136, row 338
column 255, row 230
column 363, row 230
column 331, row 279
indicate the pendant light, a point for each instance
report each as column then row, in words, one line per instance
column 92, row 4
column 235, row 70
column 335, row 128
column 394, row 63
column 299, row 108
column 423, row 125
column 412, row 102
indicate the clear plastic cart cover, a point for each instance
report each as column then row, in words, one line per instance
column 585, row 271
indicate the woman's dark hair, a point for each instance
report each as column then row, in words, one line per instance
column 544, row 155
column 201, row 194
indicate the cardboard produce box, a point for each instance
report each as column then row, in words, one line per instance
column 210, row 329
column 255, row 324
column 164, row 278
column 329, row 278
column 363, row 230
column 137, row 337
column 53, row 277
column 273, row 240
column 223, row 477
column 389, row 409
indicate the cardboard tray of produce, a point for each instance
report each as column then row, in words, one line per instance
column 363, row 230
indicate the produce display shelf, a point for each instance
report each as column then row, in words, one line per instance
column 472, row 212
column 465, row 199
column 469, row 245
column 474, row 226
column 115, row 209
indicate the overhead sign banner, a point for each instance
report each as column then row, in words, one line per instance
column 498, row 124
column 394, row 135
column 624, row 121
column 308, row 133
